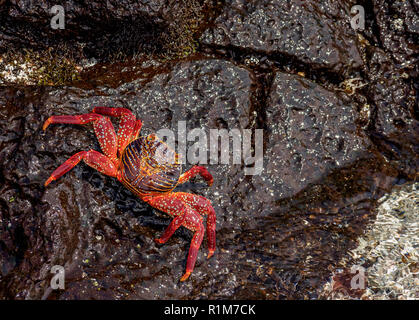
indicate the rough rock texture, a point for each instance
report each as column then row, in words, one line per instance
column 297, row 29
column 394, row 125
column 311, row 132
column 392, row 76
column 81, row 18
column 104, row 236
column 102, row 29
column 399, row 32
column 332, row 148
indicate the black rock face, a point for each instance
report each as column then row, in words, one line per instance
column 331, row 149
column 102, row 29
column 314, row 32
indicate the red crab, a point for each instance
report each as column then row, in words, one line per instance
column 137, row 162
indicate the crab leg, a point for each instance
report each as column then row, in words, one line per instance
column 112, row 112
column 195, row 224
column 198, row 203
column 173, row 226
column 174, row 207
column 79, row 119
column 202, row 171
column 137, row 129
column 203, row 206
column 129, row 127
column 184, row 215
column 93, row 158
column 103, row 129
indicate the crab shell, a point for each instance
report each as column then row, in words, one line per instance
column 149, row 166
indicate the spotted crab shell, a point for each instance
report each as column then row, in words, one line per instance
column 150, row 166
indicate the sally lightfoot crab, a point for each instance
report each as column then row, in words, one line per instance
column 147, row 167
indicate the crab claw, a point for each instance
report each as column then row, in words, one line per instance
column 185, row 276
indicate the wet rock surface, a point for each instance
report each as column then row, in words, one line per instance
column 313, row 131
column 82, row 17
column 388, row 251
column 295, row 29
column 328, row 155
column 121, row 28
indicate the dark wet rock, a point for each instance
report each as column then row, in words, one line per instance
column 329, row 154
column 392, row 83
column 319, row 170
column 398, row 26
column 314, row 32
column 394, row 126
column 28, row 25
column 311, row 131
column 103, row 29
column 106, row 236
column 269, row 245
